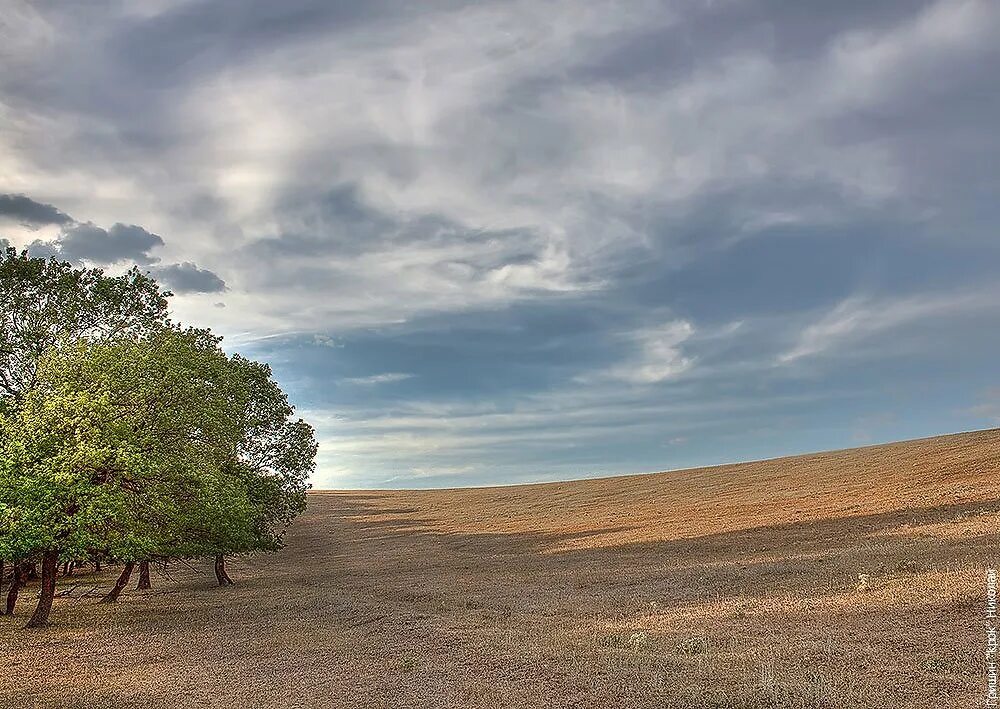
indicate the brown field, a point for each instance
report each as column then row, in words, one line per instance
column 735, row 586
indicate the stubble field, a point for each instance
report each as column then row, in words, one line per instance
column 845, row 579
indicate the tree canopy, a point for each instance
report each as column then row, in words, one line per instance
column 45, row 301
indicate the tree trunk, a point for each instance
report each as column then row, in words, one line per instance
column 220, row 571
column 144, row 583
column 120, row 584
column 97, row 565
column 16, row 584
column 3, row 570
column 50, row 565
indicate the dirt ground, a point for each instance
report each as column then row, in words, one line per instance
column 846, row 579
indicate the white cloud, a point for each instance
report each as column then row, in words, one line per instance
column 386, row 378
column 659, row 356
column 858, row 318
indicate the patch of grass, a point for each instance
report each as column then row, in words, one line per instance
column 694, row 645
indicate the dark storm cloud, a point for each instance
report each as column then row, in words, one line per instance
column 27, row 211
column 78, row 241
column 186, row 277
column 122, row 242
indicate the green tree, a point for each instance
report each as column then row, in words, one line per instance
column 123, row 436
column 113, row 446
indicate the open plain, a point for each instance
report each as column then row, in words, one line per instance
column 843, row 579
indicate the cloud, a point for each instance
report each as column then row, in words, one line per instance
column 326, row 341
column 549, row 157
column 858, row 318
column 379, row 267
column 659, row 356
column 43, row 249
column 122, row 242
column 575, row 428
column 89, row 242
column 386, row 378
column 29, row 212
column 188, row 278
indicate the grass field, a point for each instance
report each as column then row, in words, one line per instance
column 844, row 579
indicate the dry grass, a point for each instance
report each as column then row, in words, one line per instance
column 737, row 586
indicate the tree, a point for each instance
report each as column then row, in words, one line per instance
column 125, row 437
column 112, row 446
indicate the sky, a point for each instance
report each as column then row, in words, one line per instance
column 503, row 242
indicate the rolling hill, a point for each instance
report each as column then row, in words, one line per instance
column 851, row 578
